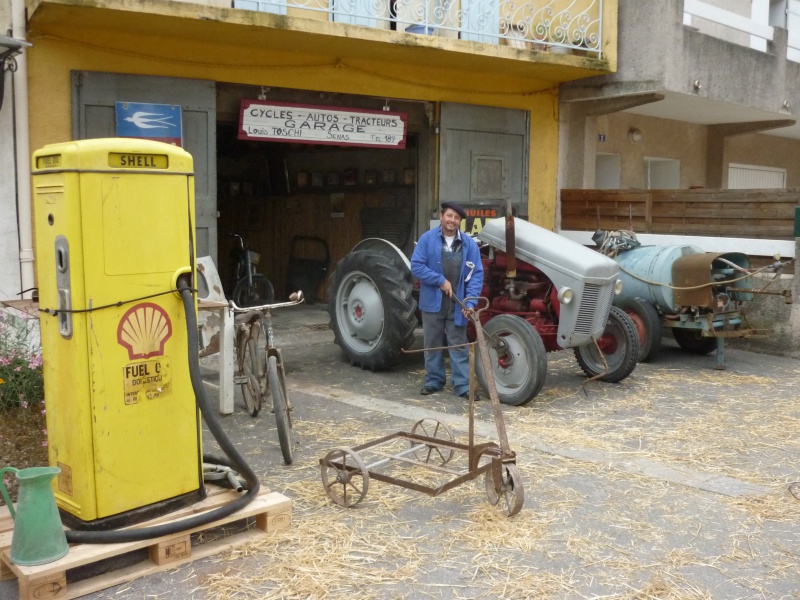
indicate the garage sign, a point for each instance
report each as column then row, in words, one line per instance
column 307, row 124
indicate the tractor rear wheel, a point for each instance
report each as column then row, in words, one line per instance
column 519, row 369
column 691, row 341
column 619, row 346
column 648, row 325
column 371, row 309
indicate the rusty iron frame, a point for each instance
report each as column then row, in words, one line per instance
column 499, row 454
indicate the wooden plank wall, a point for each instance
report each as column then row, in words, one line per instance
column 269, row 224
column 766, row 214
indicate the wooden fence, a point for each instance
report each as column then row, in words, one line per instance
column 761, row 214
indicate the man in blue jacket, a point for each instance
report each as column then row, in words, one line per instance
column 448, row 263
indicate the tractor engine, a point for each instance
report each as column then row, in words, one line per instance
column 530, row 295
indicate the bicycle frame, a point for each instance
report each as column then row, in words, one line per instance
column 272, row 380
column 265, row 314
column 245, row 264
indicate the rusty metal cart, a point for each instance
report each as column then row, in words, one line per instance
column 345, row 476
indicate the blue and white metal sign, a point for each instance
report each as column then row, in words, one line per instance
column 159, row 122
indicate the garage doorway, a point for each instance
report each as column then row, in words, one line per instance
column 302, row 207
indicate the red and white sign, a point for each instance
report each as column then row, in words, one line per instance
column 307, row 124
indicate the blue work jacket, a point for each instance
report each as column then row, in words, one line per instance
column 426, row 265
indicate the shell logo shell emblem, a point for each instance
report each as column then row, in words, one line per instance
column 144, row 330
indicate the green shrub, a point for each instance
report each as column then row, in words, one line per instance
column 21, row 381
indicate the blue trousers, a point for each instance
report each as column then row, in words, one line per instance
column 438, row 329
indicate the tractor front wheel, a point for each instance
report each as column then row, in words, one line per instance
column 619, row 345
column 517, row 357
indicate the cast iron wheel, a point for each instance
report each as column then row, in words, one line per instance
column 371, row 309
column 619, row 345
column 281, row 408
column 794, row 489
column 648, row 325
column 509, row 496
column 437, row 430
column 258, row 293
column 346, row 484
column 691, row 341
column 520, row 371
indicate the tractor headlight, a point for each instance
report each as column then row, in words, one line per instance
column 565, row 295
column 617, row 287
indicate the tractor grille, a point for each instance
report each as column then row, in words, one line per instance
column 595, row 304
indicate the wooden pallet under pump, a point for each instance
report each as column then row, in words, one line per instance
column 270, row 510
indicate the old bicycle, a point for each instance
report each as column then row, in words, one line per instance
column 250, row 288
column 259, row 366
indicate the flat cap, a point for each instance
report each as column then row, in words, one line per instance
column 456, row 207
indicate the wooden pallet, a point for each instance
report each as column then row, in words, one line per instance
column 272, row 512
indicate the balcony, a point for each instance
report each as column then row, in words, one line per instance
column 747, row 23
column 559, row 26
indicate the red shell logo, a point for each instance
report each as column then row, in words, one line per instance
column 144, row 330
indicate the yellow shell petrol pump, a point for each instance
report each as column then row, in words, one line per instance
column 114, row 222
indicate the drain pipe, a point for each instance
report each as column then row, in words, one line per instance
column 23, row 150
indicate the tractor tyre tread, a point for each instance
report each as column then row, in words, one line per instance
column 630, row 358
column 535, row 353
column 650, row 345
column 392, row 280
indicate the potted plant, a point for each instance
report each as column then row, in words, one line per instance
column 560, row 36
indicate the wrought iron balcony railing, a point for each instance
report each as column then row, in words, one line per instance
column 556, row 25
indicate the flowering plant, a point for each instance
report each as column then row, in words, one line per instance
column 21, row 380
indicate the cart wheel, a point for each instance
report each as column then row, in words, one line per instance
column 346, row 484
column 433, row 429
column 794, row 489
column 509, row 495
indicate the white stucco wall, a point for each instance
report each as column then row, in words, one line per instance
column 9, row 239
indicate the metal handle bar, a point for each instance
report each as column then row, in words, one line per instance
column 294, row 299
column 478, row 299
column 474, row 316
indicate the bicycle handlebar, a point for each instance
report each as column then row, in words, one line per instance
column 239, row 240
column 294, row 299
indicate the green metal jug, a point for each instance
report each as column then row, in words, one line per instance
column 38, row 533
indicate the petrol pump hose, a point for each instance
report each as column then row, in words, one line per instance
column 237, row 461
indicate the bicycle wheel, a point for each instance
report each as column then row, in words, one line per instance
column 281, row 408
column 258, row 293
column 252, row 369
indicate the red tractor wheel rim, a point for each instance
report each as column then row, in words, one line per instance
column 639, row 323
column 608, row 344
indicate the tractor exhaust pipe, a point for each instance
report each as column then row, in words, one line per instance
column 511, row 242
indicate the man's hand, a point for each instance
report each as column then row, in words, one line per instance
column 447, row 288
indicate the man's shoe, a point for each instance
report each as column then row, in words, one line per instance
column 476, row 395
column 427, row 391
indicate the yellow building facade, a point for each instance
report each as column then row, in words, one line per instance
column 303, row 58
